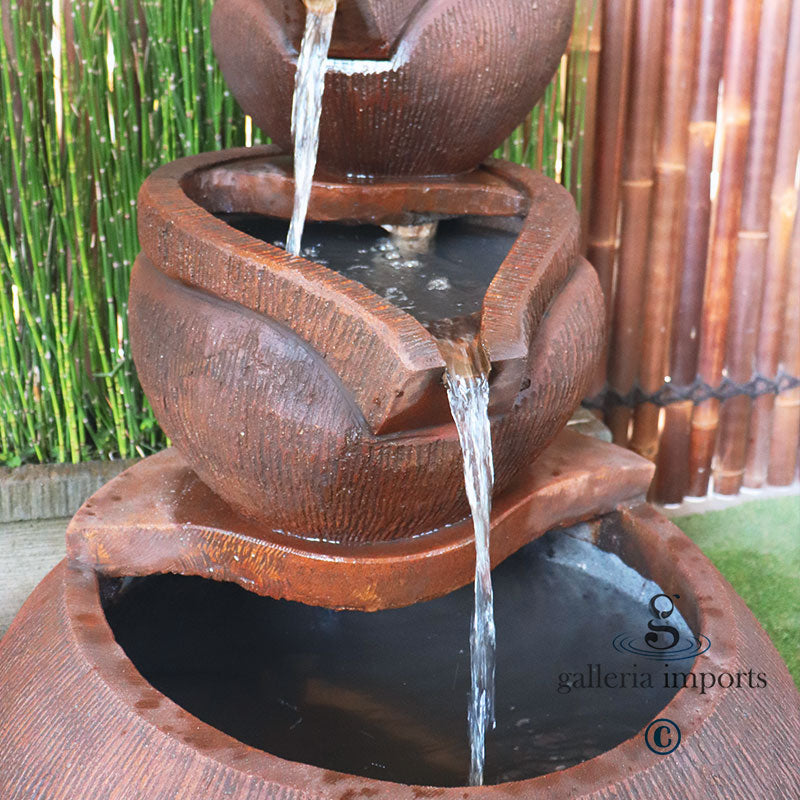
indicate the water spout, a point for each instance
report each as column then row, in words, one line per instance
column 412, row 240
column 320, row 6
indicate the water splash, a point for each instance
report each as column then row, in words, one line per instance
column 468, row 393
column 309, row 85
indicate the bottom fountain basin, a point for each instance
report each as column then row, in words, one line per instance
column 78, row 720
column 384, row 695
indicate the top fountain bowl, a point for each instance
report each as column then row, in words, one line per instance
column 411, row 88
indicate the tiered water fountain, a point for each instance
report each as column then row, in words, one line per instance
column 317, row 466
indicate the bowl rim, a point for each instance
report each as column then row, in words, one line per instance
column 138, row 524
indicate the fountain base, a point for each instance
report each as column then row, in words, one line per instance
column 78, row 720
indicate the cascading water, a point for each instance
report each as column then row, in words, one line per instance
column 306, row 109
column 467, row 390
column 468, row 393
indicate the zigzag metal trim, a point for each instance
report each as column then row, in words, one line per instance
column 698, row 392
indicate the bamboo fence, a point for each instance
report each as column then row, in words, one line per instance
column 666, row 224
column 752, row 240
column 675, row 124
column 636, row 196
column 672, row 484
column 697, row 247
column 612, row 92
column 773, row 313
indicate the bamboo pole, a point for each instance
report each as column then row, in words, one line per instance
column 783, row 208
column 671, row 480
column 751, row 252
column 666, row 233
column 786, row 419
column 611, row 99
column 636, row 191
column 738, row 70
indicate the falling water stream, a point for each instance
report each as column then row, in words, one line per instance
column 467, row 388
column 468, row 392
column 306, row 109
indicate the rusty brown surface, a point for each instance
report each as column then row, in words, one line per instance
column 158, row 517
column 453, row 78
column 304, row 399
column 264, row 421
column 332, row 313
column 264, row 184
column 362, row 28
column 78, row 721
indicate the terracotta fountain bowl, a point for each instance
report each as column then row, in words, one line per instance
column 78, row 720
column 310, row 403
column 412, row 88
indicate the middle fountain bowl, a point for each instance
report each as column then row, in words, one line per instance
column 310, row 403
column 302, row 398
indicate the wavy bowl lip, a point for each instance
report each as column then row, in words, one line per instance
column 643, row 539
column 182, row 237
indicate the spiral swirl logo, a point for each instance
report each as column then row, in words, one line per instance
column 661, row 642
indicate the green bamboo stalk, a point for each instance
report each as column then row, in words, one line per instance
column 27, row 179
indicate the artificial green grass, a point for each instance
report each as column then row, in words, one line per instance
column 756, row 546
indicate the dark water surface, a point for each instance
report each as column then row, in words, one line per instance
column 448, row 280
column 385, row 694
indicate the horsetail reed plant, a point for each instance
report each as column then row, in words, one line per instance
column 582, row 78
column 583, row 48
column 94, row 95
column 91, row 101
column 551, row 138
